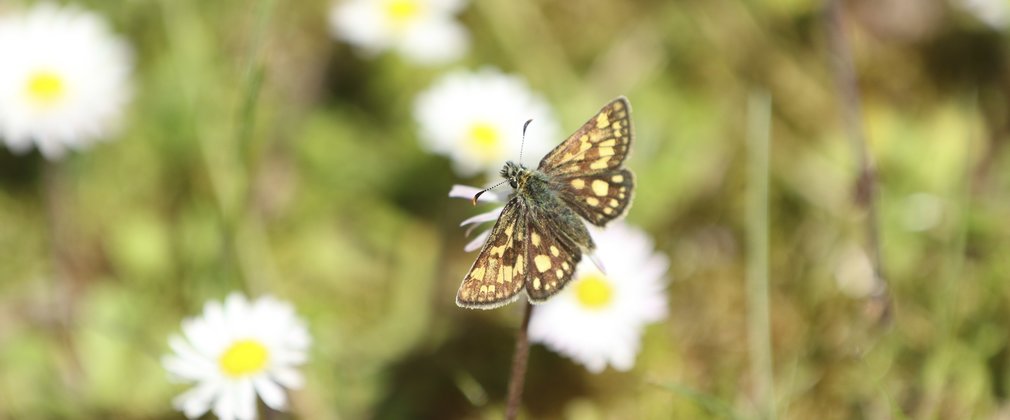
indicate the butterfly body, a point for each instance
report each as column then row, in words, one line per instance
column 538, row 193
column 540, row 236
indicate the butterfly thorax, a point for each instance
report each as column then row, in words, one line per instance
column 534, row 188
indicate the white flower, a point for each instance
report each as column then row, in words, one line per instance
column 236, row 351
column 994, row 13
column 64, row 79
column 598, row 318
column 476, row 118
column 421, row 30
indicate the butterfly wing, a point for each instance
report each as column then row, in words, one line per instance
column 600, row 145
column 552, row 256
column 598, row 198
column 586, row 170
column 500, row 270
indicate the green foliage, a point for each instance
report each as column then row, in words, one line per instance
column 260, row 155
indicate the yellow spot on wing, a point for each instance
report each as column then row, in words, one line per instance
column 600, row 187
column 592, row 201
column 559, row 273
column 535, row 238
column 601, row 163
column 542, row 262
column 578, row 183
column 536, row 283
column 617, row 178
column 477, row 274
column 554, row 251
column 602, row 121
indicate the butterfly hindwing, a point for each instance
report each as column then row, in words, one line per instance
column 553, row 258
column 598, row 198
column 600, row 145
column 500, row 270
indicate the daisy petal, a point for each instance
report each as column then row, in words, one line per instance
column 271, row 394
column 483, row 217
column 467, row 192
column 477, row 242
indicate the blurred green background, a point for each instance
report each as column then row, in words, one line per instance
column 261, row 155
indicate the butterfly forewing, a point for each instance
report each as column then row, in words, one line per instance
column 600, row 145
column 501, row 267
column 552, row 258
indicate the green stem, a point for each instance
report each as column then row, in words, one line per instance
column 758, row 308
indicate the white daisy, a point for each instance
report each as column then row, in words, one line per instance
column 995, row 13
column 236, row 351
column 476, row 118
column 64, row 79
column 598, row 318
column 423, row 31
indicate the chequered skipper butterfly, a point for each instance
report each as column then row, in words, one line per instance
column 539, row 237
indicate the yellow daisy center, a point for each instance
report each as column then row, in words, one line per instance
column 594, row 291
column 485, row 140
column 46, row 87
column 401, row 12
column 244, row 357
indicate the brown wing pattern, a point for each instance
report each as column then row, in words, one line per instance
column 552, row 257
column 598, row 198
column 600, row 145
column 500, row 270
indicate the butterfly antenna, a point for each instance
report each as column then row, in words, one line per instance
column 523, row 144
column 476, row 196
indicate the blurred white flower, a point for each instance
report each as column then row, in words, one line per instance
column 995, row 13
column 476, row 118
column 854, row 273
column 598, row 319
column 922, row 212
column 64, row 79
column 236, row 351
column 423, row 31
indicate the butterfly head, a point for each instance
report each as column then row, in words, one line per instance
column 512, row 172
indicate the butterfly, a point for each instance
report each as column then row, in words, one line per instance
column 540, row 237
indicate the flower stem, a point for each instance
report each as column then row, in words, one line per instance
column 759, row 112
column 879, row 304
column 519, row 358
